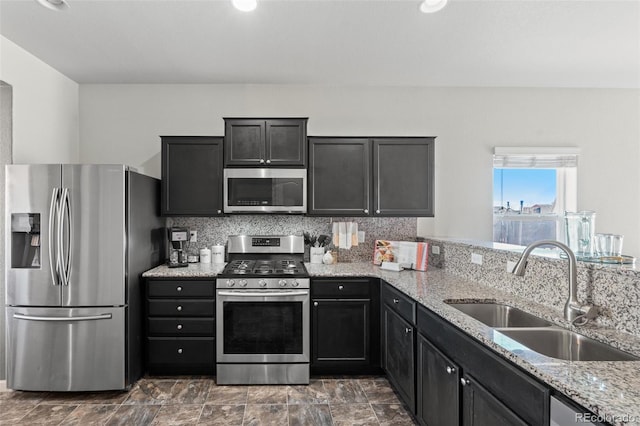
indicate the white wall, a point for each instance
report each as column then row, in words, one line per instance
column 45, row 108
column 121, row 123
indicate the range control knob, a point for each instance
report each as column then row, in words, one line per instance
column 230, row 283
column 262, row 283
column 295, row 283
column 282, row 283
column 243, row 283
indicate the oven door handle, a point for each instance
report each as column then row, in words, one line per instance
column 263, row 294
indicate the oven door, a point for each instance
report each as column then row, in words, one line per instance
column 262, row 326
column 265, row 190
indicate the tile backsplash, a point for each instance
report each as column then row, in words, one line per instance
column 614, row 289
column 215, row 230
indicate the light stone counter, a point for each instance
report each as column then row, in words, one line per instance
column 609, row 389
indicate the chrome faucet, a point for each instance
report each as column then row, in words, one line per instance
column 573, row 311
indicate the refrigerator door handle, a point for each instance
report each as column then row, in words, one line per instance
column 53, row 210
column 67, row 319
column 66, row 257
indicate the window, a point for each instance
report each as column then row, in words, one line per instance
column 532, row 188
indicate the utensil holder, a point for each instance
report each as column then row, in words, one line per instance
column 315, row 254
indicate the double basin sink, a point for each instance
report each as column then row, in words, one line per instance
column 540, row 335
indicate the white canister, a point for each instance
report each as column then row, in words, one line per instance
column 217, row 254
column 205, row 255
column 315, row 254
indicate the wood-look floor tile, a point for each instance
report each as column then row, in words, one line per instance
column 314, row 393
column 267, row 395
column 227, row 395
column 265, row 415
column 392, row 415
column 139, row 415
column 90, row 414
column 177, row 415
column 344, row 391
column 379, row 391
column 12, row 413
column 309, row 415
column 44, row 414
column 353, row 414
column 219, row 415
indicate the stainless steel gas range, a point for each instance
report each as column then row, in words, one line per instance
column 262, row 312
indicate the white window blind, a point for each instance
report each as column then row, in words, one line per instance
column 535, row 157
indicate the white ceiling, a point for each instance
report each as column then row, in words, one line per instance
column 523, row 43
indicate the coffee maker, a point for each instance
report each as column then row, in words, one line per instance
column 179, row 238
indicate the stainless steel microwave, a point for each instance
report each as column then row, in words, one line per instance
column 265, row 190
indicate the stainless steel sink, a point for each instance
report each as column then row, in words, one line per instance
column 564, row 344
column 500, row 316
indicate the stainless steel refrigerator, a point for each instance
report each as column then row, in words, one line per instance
column 78, row 239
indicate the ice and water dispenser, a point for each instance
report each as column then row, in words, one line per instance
column 25, row 240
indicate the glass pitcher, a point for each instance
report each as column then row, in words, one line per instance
column 580, row 230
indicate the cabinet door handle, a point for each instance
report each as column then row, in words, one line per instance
column 179, row 288
column 179, row 308
column 179, row 327
column 366, row 210
column 261, row 161
column 377, row 211
column 340, row 287
column 407, row 330
column 219, row 211
column 396, row 301
column 180, row 350
column 450, row 370
column 464, row 382
column 268, row 161
column 315, row 303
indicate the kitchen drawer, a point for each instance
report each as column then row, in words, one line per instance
column 179, row 327
column 181, row 307
column 181, row 355
column 181, row 288
column 402, row 304
column 341, row 288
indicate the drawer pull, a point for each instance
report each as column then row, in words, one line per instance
column 179, row 327
column 180, row 350
column 450, row 370
column 179, row 308
column 179, row 288
column 408, row 330
column 464, row 382
column 396, row 301
column 340, row 287
column 315, row 303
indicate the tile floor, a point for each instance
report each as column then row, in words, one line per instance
column 199, row 401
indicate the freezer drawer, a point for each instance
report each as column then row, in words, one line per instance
column 62, row 349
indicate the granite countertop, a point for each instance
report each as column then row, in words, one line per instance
column 609, row 389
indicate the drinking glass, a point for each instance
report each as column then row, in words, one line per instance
column 580, row 227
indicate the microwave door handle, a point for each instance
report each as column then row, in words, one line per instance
column 262, row 294
column 53, row 213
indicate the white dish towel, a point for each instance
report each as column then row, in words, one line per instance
column 345, row 234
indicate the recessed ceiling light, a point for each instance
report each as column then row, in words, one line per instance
column 245, row 5
column 430, row 6
column 54, row 4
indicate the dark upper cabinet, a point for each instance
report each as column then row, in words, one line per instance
column 256, row 142
column 371, row 177
column 339, row 176
column 191, row 176
column 438, row 384
column 403, row 176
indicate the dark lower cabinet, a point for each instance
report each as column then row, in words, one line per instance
column 481, row 408
column 191, row 176
column 438, row 384
column 345, row 316
column 180, row 327
column 399, row 354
